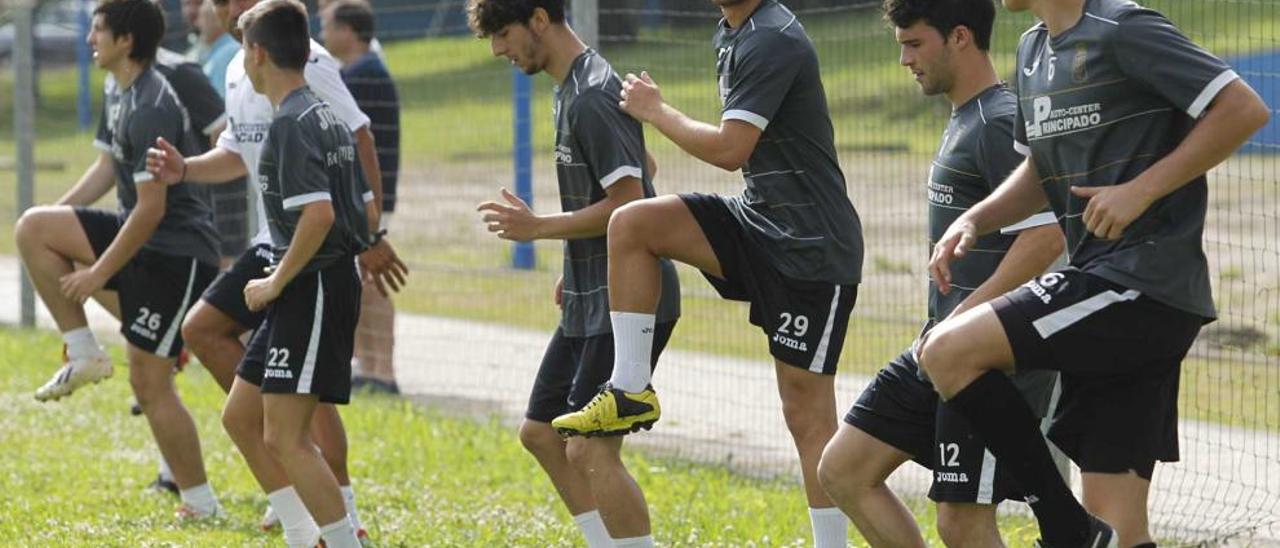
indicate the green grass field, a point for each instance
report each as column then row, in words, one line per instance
column 75, row 474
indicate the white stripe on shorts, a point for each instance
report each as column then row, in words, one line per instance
column 166, row 344
column 313, row 343
column 820, row 355
column 986, row 478
column 1069, row 316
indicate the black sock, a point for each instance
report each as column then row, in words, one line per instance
column 998, row 412
column 1146, row 545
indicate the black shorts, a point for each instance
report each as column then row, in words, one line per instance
column 805, row 321
column 156, row 289
column 226, row 293
column 304, row 345
column 1120, row 354
column 902, row 409
column 573, row 368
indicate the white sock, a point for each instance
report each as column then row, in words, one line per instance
column 299, row 529
column 200, row 498
column 830, row 528
column 634, row 542
column 166, row 473
column 632, row 350
column 81, row 343
column 593, row 530
column 340, row 534
column 349, row 500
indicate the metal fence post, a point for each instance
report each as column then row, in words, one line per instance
column 24, row 104
column 522, row 256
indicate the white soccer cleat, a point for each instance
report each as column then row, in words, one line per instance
column 187, row 513
column 73, row 375
column 269, row 519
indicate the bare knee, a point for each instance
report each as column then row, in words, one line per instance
column 834, row 472
column 809, row 410
column 241, row 425
column 944, row 358
column 590, row 455
column 284, row 446
column 149, row 387
column 968, row 525
column 31, row 224
column 539, row 438
column 627, row 223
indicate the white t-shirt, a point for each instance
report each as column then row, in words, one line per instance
column 249, row 115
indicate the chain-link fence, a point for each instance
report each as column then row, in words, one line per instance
column 471, row 328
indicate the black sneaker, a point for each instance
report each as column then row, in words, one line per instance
column 1100, row 535
column 161, row 485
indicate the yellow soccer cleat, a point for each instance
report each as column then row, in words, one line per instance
column 612, row 413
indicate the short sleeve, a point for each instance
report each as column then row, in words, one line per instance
column 203, row 102
column 325, row 79
column 102, row 138
column 303, row 178
column 1152, row 51
column 761, row 73
column 996, row 158
column 1019, row 140
column 611, row 141
column 227, row 139
column 145, row 125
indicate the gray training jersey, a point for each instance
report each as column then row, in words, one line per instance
column 976, row 155
column 1098, row 105
column 132, row 118
column 597, row 145
column 795, row 206
column 309, row 156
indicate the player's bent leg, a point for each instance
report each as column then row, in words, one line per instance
column 853, row 471
column 1121, row 501
column 151, row 377
column 968, row 525
column 214, row 338
column 548, row 447
column 287, row 420
column 242, row 419
column 641, row 232
column 621, row 502
column 959, row 350
column 51, row 240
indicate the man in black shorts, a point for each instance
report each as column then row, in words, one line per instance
column 158, row 252
column 791, row 244
column 1121, row 116
column 314, row 196
column 898, row 417
column 601, row 165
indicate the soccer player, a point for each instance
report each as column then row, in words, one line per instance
column 157, row 252
column 313, row 193
column 898, row 417
column 348, row 33
column 601, row 165
column 791, row 244
column 1121, row 116
column 218, row 320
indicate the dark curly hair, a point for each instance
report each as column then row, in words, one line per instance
column 489, row 16
column 945, row 15
column 141, row 19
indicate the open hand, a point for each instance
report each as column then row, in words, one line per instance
column 382, row 267
column 955, row 242
column 165, row 162
column 1111, row 209
column 511, row 221
column 81, row 284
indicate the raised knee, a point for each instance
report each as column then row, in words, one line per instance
column 29, row 225
column 627, row 222
column 538, row 437
column 942, row 354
